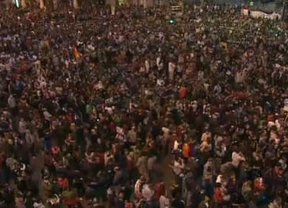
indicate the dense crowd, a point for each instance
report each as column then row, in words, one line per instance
column 142, row 108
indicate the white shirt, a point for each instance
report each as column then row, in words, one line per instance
column 175, row 145
column 147, row 193
column 164, row 202
column 137, row 187
column 158, row 60
column 22, row 127
column 150, row 162
column 171, row 69
column 177, row 167
column 286, row 104
column 236, row 159
column 159, row 63
column 38, row 205
column 11, row 102
column 165, row 132
column 147, row 65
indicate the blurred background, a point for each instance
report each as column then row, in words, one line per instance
column 263, row 5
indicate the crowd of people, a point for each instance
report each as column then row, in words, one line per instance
column 142, row 108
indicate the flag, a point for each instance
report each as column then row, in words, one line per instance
column 76, row 53
column 55, row 4
column 42, row 4
column 23, row 4
column 112, row 10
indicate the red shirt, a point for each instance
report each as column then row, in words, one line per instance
column 239, row 95
column 218, row 196
column 270, row 118
column 129, row 205
column 182, row 92
column 100, row 157
column 63, row 182
column 73, row 200
column 113, row 127
column 159, row 189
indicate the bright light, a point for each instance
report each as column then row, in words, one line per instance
column 172, row 21
column 17, row 3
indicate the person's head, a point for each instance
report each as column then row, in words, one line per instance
column 142, row 179
column 117, row 169
column 217, row 185
column 235, row 149
column 210, row 161
column 206, row 198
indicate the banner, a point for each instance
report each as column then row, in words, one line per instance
column 260, row 14
column 75, row 4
